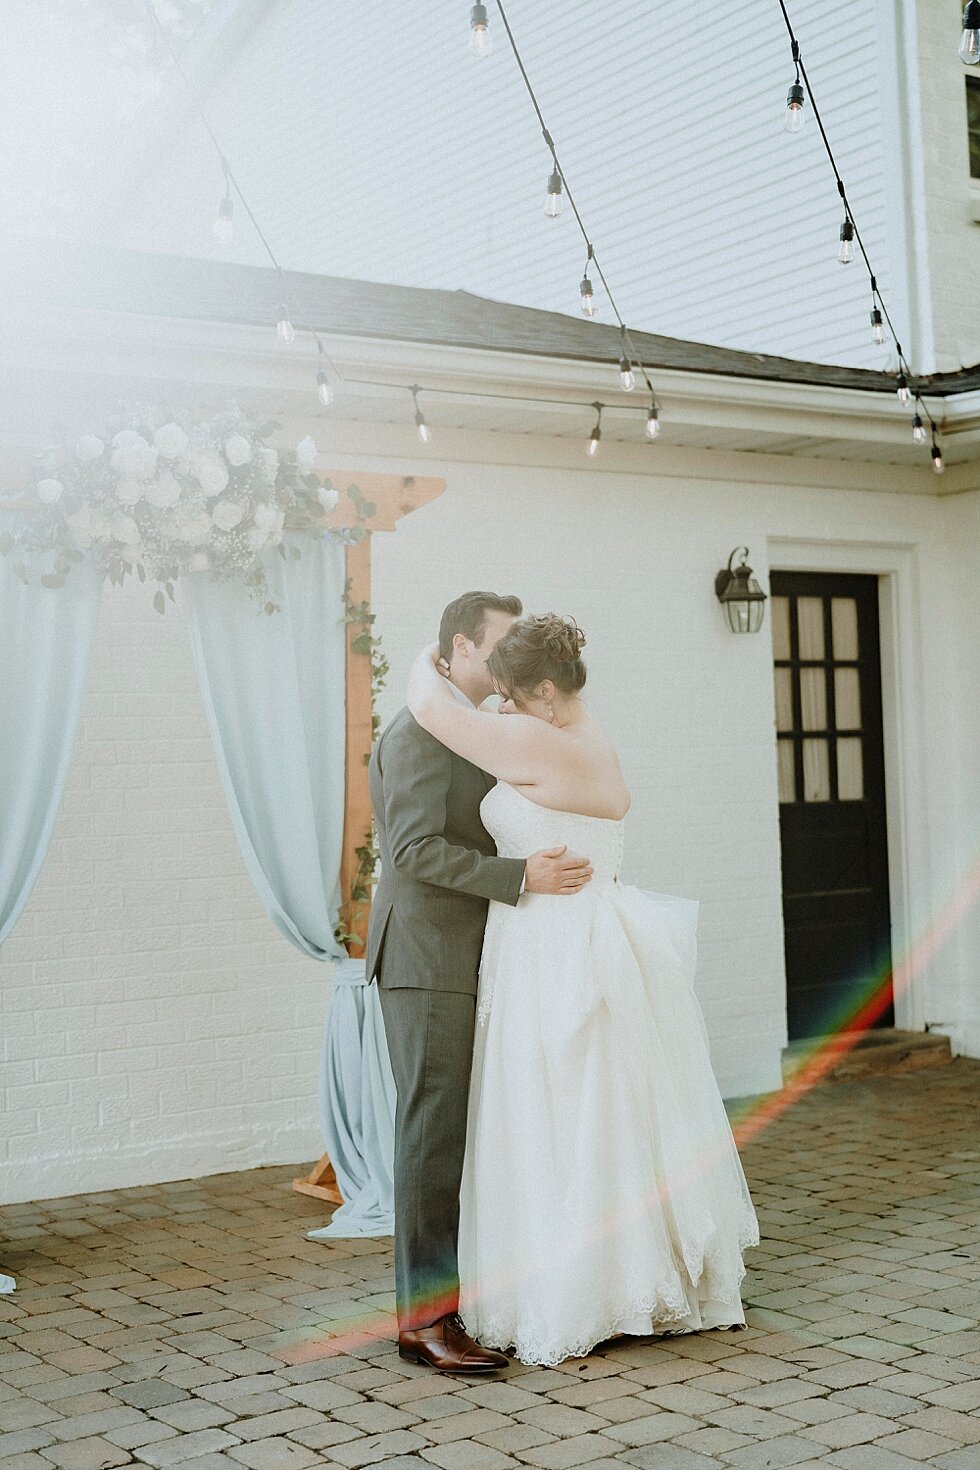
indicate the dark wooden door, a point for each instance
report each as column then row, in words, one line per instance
column 831, row 800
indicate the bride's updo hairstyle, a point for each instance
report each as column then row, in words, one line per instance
column 540, row 646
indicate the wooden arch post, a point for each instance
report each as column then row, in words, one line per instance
column 378, row 503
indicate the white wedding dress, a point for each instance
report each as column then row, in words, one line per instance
column 602, row 1191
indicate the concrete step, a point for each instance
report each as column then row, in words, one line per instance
column 871, row 1054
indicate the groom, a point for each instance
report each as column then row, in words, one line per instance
column 439, row 868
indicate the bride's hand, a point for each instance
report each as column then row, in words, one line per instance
column 423, row 681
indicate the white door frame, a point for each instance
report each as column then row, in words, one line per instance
column 902, row 713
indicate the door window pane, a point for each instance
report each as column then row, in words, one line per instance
column 813, row 698
column 816, row 771
column 809, row 616
column 784, row 699
column 780, row 627
column 787, row 771
column 844, row 620
column 847, row 699
column 850, row 775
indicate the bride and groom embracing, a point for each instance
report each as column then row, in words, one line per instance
column 564, row 1167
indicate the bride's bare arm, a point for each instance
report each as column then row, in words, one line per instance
column 515, row 748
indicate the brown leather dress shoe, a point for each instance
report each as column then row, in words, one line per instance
column 447, row 1346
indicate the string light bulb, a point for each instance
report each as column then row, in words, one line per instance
column 794, row 117
column 284, row 326
column 224, row 220
column 918, row 430
column 937, row 458
column 902, row 388
column 481, row 41
column 877, row 326
column 422, row 428
column 627, row 378
column 553, row 200
column 969, row 50
column 845, row 250
column 589, row 307
column 324, row 388
column 592, row 448
column 653, row 422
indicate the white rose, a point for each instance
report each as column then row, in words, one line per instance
column 170, row 440
column 135, row 461
column 255, row 538
column 199, row 562
column 49, row 491
column 125, row 529
column 89, row 447
column 129, row 492
column 238, row 451
column 269, row 462
column 227, row 514
column 164, row 491
column 265, row 518
column 306, row 454
column 211, row 474
column 327, row 497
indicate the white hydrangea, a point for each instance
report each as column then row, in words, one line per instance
column 134, row 460
column 164, row 490
column 227, row 514
column 129, row 492
column 170, row 440
column 89, row 447
column 49, row 490
column 238, row 451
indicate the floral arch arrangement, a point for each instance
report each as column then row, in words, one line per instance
column 163, row 496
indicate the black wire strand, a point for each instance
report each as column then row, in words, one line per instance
column 590, row 247
column 904, row 363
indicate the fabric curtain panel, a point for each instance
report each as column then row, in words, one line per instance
column 274, row 693
column 45, row 651
column 357, row 1108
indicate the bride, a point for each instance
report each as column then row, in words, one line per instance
column 602, row 1191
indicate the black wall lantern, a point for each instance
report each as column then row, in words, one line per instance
column 740, row 595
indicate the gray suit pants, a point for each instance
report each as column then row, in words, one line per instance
column 430, row 1042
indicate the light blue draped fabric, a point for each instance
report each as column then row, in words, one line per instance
column 273, row 689
column 357, row 1108
column 46, row 637
column 274, row 695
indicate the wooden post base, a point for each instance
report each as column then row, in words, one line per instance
column 321, row 1183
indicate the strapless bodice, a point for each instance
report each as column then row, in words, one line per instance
column 519, row 826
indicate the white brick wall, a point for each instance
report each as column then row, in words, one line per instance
column 155, row 1025
column 154, row 1022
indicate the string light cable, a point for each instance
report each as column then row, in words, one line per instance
column 905, row 381
column 629, row 354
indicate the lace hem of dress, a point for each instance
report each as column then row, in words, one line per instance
column 663, row 1306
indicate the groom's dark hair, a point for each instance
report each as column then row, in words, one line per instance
column 468, row 615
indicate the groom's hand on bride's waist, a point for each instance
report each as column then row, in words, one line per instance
column 556, row 870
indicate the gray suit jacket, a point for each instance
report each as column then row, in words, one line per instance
column 439, row 866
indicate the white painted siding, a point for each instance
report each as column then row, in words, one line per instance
column 372, row 145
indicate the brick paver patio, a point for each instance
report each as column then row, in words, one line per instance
column 194, row 1322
